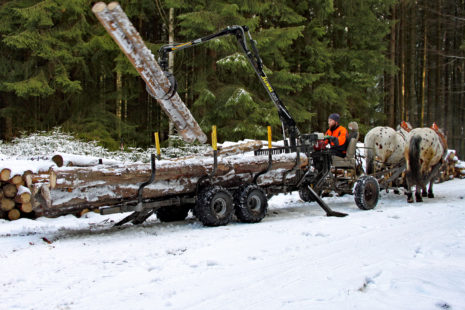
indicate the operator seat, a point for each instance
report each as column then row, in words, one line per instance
column 348, row 161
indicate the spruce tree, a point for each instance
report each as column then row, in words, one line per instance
column 220, row 84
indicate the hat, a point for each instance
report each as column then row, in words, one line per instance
column 334, row 117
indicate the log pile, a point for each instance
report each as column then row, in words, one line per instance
column 16, row 192
column 79, row 186
column 82, row 184
column 88, row 188
column 452, row 168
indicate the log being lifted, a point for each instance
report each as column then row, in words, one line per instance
column 117, row 24
column 86, row 187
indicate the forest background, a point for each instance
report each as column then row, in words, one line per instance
column 376, row 62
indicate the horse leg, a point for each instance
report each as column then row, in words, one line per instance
column 430, row 189
column 432, row 177
column 408, row 191
column 418, row 194
column 409, row 195
column 423, row 192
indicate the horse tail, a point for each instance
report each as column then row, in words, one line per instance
column 414, row 160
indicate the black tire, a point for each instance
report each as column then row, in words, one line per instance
column 173, row 213
column 366, row 192
column 214, row 206
column 304, row 193
column 251, row 204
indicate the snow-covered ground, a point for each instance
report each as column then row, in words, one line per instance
column 397, row 256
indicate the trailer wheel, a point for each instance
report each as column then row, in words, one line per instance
column 172, row 213
column 366, row 192
column 251, row 204
column 305, row 195
column 214, row 206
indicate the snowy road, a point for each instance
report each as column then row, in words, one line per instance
column 397, row 256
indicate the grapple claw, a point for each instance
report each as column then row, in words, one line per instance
column 171, row 92
column 173, row 84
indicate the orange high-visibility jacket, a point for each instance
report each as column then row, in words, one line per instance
column 341, row 134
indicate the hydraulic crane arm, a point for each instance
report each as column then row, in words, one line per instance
column 287, row 121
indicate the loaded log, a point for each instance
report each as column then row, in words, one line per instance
column 81, row 188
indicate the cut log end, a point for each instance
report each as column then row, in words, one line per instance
column 23, row 198
column 58, row 160
column 112, row 5
column 7, row 204
column 14, row 214
column 53, row 179
column 26, row 207
column 5, row 174
column 9, row 190
column 99, row 7
column 17, row 179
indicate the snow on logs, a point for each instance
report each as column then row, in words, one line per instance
column 80, row 188
column 15, row 192
column 73, row 189
column 29, row 188
column 120, row 28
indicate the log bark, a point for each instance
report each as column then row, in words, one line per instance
column 71, row 160
column 120, row 28
column 82, row 188
column 171, row 170
column 49, row 178
column 248, row 146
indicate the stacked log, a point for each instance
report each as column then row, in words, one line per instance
column 15, row 198
column 16, row 192
column 451, row 168
column 81, row 188
column 75, row 190
column 93, row 182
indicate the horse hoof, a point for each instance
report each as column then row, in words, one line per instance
column 419, row 199
column 424, row 194
column 430, row 195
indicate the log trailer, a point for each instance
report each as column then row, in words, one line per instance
column 213, row 204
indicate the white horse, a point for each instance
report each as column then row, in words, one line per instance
column 385, row 145
column 424, row 154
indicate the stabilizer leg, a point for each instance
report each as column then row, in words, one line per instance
column 324, row 206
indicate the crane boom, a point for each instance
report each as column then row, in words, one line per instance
column 287, row 121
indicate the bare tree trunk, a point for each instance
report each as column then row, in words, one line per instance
column 423, row 76
column 119, row 101
column 403, row 51
column 171, row 61
column 392, row 57
column 439, row 94
column 412, row 57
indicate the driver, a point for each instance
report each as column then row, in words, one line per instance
column 337, row 136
